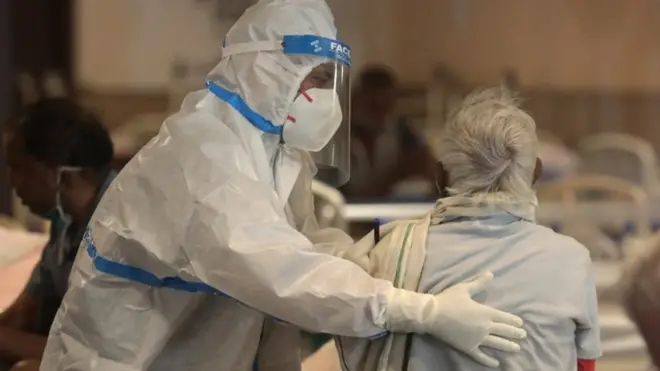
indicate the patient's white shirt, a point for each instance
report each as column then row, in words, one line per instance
column 543, row 277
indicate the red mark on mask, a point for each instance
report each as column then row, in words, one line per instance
column 309, row 99
column 304, row 94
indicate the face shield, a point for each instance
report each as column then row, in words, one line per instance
column 319, row 118
column 332, row 75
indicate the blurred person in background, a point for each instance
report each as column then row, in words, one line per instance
column 558, row 160
column 485, row 220
column 59, row 157
column 385, row 148
column 640, row 286
column 208, row 234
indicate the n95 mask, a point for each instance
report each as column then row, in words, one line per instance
column 314, row 118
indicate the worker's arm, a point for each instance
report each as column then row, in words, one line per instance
column 241, row 244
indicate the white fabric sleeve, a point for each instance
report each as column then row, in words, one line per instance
column 332, row 241
column 241, row 244
column 587, row 333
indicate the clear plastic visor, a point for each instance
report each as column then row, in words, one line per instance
column 333, row 161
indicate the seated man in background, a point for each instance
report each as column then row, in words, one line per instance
column 485, row 221
column 385, row 149
column 59, row 158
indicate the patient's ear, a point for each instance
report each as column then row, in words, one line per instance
column 441, row 179
column 538, row 170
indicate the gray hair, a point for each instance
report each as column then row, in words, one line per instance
column 489, row 145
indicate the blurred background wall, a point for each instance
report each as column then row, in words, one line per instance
column 565, row 44
column 583, row 66
column 126, row 51
column 137, row 54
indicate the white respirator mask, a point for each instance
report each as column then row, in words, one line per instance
column 314, row 118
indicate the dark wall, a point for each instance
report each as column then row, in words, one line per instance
column 36, row 38
column 43, row 38
column 6, row 94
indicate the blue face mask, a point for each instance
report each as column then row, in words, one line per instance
column 58, row 218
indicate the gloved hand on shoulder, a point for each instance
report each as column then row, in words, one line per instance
column 455, row 318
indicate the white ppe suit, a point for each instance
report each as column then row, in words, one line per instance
column 214, row 217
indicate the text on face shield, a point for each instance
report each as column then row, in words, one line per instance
column 341, row 49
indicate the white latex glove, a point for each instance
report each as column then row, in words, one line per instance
column 455, row 318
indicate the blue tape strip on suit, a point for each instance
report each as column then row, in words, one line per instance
column 235, row 100
column 139, row 275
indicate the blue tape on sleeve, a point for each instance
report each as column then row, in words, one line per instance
column 139, row 275
column 135, row 274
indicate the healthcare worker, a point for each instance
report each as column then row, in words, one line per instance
column 208, row 231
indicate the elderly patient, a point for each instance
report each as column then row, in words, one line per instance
column 485, row 221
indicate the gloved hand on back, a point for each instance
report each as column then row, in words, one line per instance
column 455, row 318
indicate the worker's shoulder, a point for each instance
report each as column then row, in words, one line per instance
column 202, row 137
column 552, row 242
column 193, row 150
column 199, row 125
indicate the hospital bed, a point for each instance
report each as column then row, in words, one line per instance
column 621, row 155
column 598, row 211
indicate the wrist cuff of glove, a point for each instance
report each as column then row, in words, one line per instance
column 407, row 311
